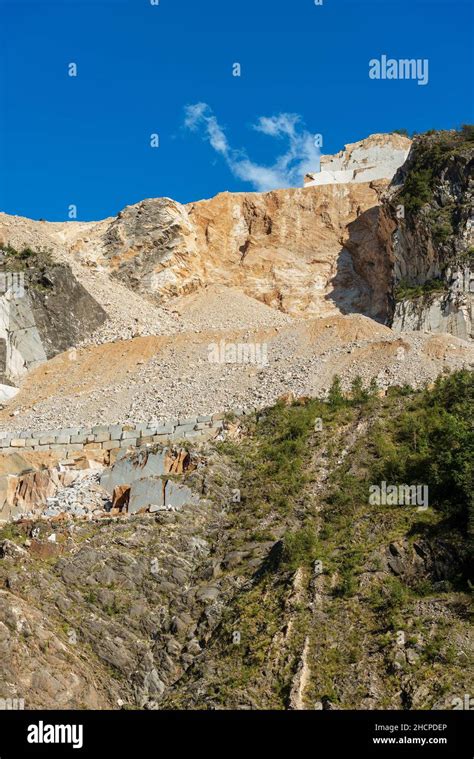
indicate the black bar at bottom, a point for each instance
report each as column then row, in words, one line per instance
column 126, row 733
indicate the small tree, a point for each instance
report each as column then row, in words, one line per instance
column 335, row 396
column 373, row 388
column 403, row 132
column 467, row 131
column 358, row 393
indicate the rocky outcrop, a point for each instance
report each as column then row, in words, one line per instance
column 334, row 246
column 64, row 312
column 311, row 251
column 143, row 481
column 430, row 209
column 40, row 485
column 449, row 313
column 22, row 346
column 291, row 249
column 43, row 312
column 377, row 157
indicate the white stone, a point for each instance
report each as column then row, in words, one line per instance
column 377, row 157
column 7, row 393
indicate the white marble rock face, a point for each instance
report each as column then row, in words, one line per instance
column 377, row 157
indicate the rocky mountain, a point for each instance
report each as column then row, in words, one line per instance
column 205, row 396
column 311, row 251
column 334, row 246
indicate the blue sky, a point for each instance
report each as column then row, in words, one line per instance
column 85, row 140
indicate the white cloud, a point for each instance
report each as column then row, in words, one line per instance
column 200, row 114
column 287, row 170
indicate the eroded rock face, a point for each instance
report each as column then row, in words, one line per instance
column 297, row 250
column 313, row 251
column 39, row 484
column 334, row 246
column 447, row 313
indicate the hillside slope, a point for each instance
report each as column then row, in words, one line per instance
column 298, row 593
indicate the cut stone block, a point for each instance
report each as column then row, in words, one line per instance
column 63, row 439
column 182, row 428
column 129, row 434
column 101, row 437
column 115, row 431
column 79, row 438
column 166, row 429
column 110, row 444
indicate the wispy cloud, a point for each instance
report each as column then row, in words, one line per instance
column 300, row 156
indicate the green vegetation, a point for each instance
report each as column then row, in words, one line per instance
column 323, row 515
column 467, row 257
column 417, row 190
column 299, row 547
column 467, row 131
column 432, row 441
column 358, row 393
column 406, row 291
column 430, row 153
column 414, row 437
column 26, row 258
column 10, row 531
column 335, row 396
column 273, row 458
column 403, row 132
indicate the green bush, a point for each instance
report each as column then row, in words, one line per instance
column 406, row 291
column 467, row 131
column 358, row 393
column 335, row 395
column 417, row 189
column 299, row 548
column 25, row 258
